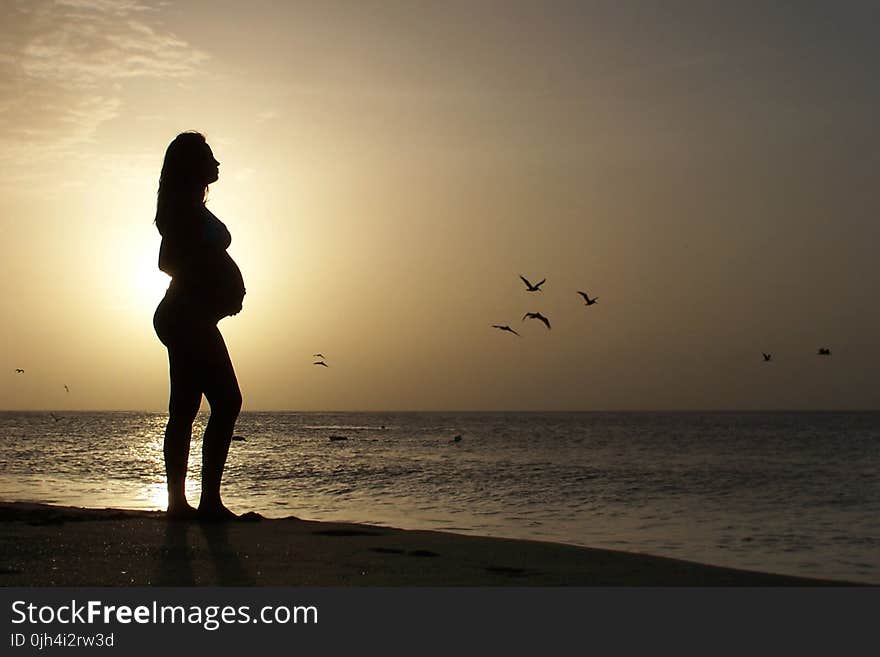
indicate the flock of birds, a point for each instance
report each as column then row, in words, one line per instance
column 589, row 301
column 536, row 287
column 530, row 287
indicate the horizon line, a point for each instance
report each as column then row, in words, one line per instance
column 454, row 410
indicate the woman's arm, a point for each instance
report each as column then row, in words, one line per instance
column 180, row 244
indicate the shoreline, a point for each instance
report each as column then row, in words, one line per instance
column 48, row 545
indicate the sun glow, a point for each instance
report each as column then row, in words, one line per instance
column 131, row 277
column 148, row 285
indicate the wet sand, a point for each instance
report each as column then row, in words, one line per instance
column 44, row 545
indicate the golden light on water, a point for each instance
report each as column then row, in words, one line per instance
column 147, row 449
column 154, row 497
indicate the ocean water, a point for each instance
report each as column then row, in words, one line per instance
column 795, row 493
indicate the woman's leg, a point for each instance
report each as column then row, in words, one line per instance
column 222, row 392
column 186, row 396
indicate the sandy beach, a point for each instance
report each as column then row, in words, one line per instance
column 44, row 545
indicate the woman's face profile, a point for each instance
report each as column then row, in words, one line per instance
column 212, row 166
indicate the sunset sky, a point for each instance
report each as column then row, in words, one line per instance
column 709, row 170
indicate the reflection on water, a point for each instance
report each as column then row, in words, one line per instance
column 795, row 493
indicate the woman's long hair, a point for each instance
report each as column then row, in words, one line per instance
column 181, row 184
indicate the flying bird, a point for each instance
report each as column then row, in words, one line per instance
column 66, row 389
column 537, row 316
column 321, row 356
column 320, row 362
column 587, row 298
column 767, row 357
column 823, row 351
column 532, row 288
column 18, row 370
column 505, row 328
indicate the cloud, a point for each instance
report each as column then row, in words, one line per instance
column 63, row 66
column 57, row 128
column 119, row 7
column 84, row 43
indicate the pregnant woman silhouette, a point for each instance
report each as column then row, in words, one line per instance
column 206, row 285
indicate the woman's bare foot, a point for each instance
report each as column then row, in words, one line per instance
column 181, row 512
column 215, row 513
column 222, row 514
